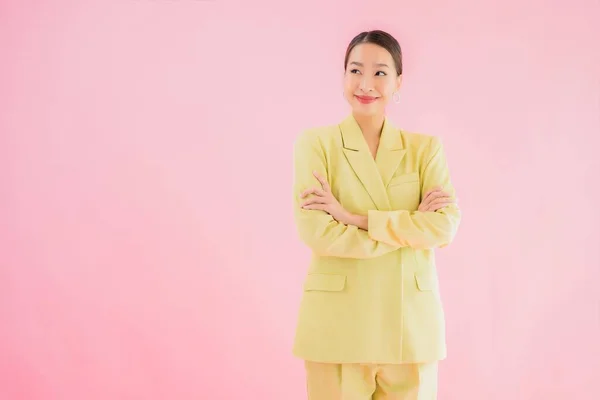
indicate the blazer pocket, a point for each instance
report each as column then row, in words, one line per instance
column 325, row 282
column 404, row 178
column 425, row 281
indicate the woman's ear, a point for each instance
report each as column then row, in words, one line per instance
column 398, row 82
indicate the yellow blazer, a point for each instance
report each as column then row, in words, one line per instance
column 372, row 296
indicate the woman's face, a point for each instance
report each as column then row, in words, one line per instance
column 370, row 79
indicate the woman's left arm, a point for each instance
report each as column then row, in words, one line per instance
column 418, row 229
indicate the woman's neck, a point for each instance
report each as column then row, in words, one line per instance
column 370, row 125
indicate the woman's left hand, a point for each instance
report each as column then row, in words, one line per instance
column 324, row 200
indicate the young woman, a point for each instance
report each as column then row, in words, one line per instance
column 372, row 202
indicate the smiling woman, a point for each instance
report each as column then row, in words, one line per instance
column 373, row 65
column 373, row 202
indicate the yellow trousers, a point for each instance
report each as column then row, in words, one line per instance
column 371, row 381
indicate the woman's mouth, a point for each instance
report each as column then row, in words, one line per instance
column 366, row 99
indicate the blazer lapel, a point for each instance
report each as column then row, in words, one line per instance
column 390, row 152
column 366, row 168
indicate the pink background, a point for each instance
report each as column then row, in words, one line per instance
column 147, row 243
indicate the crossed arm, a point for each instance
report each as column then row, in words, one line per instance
column 329, row 230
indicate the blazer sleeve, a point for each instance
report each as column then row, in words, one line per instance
column 416, row 229
column 316, row 228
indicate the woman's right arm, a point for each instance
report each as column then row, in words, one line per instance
column 317, row 229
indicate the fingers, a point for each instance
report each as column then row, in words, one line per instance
column 435, row 199
column 323, row 192
column 322, row 181
column 315, row 191
column 319, row 198
column 322, row 207
column 438, row 206
column 441, row 200
column 315, row 200
column 431, row 194
column 439, row 203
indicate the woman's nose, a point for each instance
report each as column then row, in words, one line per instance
column 366, row 84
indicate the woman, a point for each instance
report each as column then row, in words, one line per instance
column 372, row 202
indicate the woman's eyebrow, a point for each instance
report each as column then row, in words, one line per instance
column 376, row 64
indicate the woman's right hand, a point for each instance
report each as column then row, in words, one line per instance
column 435, row 199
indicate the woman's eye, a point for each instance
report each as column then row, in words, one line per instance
column 354, row 71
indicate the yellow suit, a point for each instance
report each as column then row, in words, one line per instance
column 372, row 296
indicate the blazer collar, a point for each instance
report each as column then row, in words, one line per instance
column 354, row 139
column 374, row 174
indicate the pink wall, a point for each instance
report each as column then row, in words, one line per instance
column 147, row 244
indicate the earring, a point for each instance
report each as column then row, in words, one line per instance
column 396, row 97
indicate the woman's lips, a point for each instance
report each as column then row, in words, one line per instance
column 366, row 99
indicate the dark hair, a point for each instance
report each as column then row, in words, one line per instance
column 379, row 38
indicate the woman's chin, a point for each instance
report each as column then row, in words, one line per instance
column 361, row 109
